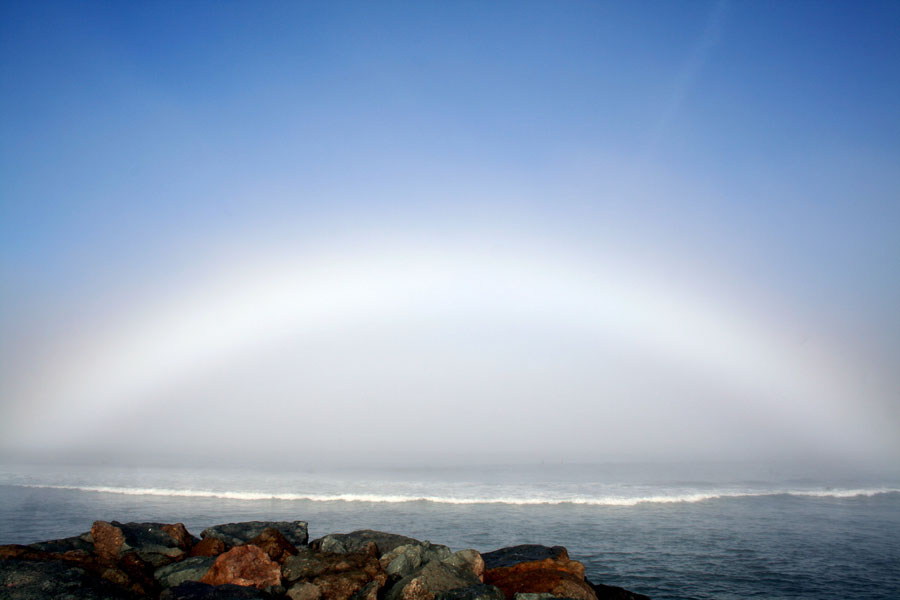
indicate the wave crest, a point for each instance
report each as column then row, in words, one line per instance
column 399, row 498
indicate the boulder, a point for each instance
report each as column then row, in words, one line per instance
column 193, row 590
column 274, row 544
column 369, row 592
column 304, row 591
column 536, row 569
column 78, row 543
column 611, row 592
column 211, row 546
column 235, row 534
column 108, row 541
column 435, row 576
column 189, row 569
column 36, row 580
column 513, row 555
column 468, row 560
column 333, row 576
column 479, row 591
column 357, row 541
column 155, row 543
column 244, row 565
column 403, row 560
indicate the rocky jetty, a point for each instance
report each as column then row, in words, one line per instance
column 276, row 560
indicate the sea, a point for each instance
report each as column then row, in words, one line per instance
column 670, row 531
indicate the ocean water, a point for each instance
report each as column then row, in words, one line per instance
column 668, row 531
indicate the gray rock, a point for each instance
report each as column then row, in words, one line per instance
column 193, row 590
column 468, row 560
column 435, row 576
column 190, row 569
column 357, row 541
column 534, row 596
column 235, row 534
column 478, row 591
column 513, row 555
column 37, row 580
column 403, row 560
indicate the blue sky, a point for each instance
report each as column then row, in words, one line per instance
column 744, row 153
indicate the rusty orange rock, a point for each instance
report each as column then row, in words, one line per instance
column 108, row 541
column 559, row 576
column 180, row 534
column 244, row 565
column 208, row 547
column 274, row 544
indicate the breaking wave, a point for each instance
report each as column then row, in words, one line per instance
column 399, row 498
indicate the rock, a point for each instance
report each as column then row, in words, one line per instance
column 334, row 576
column 403, row 560
column 274, row 544
column 189, row 569
column 537, row 569
column 435, row 576
column 192, row 590
column 37, row 580
column 244, row 565
column 507, row 557
column 235, row 534
column 369, row 592
column 543, row 596
column 108, row 541
column 180, row 535
column 78, row 543
column 211, row 546
column 357, row 541
column 611, row 592
column 155, row 543
column 468, row 560
column 478, row 591
column 304, row 591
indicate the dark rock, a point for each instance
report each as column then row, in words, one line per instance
column 235, row 534
column 357, row 541
column 192, row 590
column 155, row 543
column 78, row 543
column 211, row 546
column 369, row 592
column 274, row 544
column 244, row 565
column 507, row 557
column 611, row 592
column 36, row 580
column 478, row 591
column 435, row 576
column 189, row 569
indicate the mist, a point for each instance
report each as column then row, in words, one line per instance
column 289, row 239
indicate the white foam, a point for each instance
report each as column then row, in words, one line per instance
column 399, row 498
